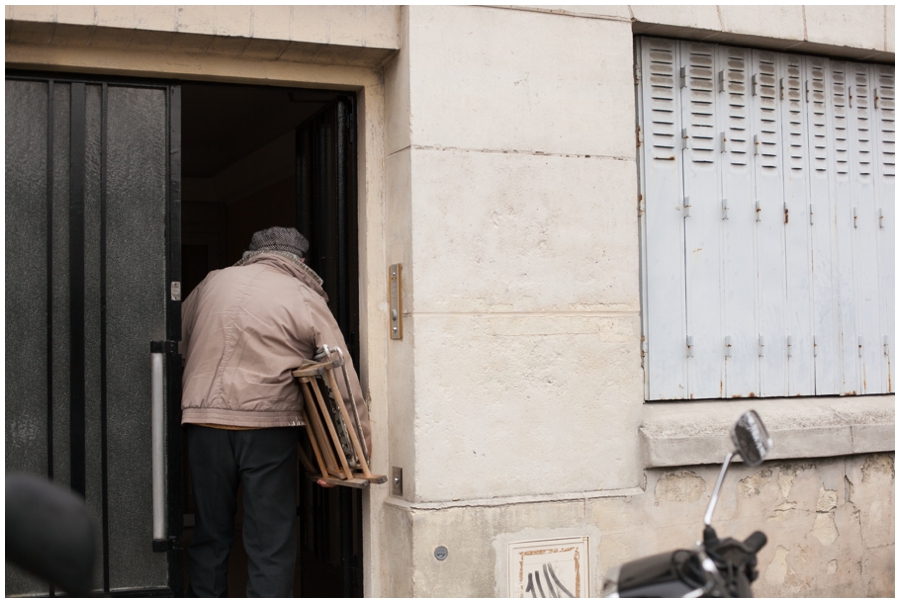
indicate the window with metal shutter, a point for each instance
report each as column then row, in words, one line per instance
column 767, row 234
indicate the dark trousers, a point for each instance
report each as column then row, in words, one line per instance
column 265, row 461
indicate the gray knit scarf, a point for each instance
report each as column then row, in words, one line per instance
column 295, row 259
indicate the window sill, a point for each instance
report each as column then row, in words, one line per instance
column 698, row 433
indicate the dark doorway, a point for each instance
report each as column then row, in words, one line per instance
column 255, row 157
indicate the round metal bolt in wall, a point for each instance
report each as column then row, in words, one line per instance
column 440, row 553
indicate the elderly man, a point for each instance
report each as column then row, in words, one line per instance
column 244, row 329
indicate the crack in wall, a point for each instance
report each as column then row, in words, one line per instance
column 825, row 528
column 532, row 152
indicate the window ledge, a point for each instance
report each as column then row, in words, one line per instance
column 698, row 433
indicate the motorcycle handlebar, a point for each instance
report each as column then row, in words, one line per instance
column 755, row 542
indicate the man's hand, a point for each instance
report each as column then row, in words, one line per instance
column 324, row 484
column 322, row 354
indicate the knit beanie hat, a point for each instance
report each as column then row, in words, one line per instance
column 279, row 238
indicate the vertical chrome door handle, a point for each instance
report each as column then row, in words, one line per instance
column 158, row 447
column 158, row 350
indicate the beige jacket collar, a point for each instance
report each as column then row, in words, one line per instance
column 288, row 263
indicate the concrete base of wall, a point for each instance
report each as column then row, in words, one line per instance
column 830, row 524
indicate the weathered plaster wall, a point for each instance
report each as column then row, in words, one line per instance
column 829, row 522
column 820, row 516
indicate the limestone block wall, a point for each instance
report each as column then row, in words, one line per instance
column 521, row 263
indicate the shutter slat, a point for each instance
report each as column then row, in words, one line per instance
column 663, row 237
column 798, row 268
column 884, row 195
column 770, row 234
column 843, row 234
column 739, row 225
column 824, row 279
column 702, row 229
column 865, row 251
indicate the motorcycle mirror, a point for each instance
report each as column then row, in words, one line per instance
column 752, row 442
column 751, row 438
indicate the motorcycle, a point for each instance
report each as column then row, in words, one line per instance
column 714, row 567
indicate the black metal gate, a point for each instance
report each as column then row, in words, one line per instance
column 331, row 520
column 92, row 266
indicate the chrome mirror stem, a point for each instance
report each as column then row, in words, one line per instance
column 707, row 518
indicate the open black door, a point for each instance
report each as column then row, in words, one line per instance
column 331, row 520
column 247, row 137
column 93, row 313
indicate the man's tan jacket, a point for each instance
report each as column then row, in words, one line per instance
column 244, row 329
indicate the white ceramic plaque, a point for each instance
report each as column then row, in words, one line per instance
column 549, row 569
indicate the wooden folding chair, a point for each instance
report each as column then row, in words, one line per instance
column 336, row 440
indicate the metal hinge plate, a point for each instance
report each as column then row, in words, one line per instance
column 163, row 347
column 397, row 481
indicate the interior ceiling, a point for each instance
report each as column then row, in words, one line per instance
column 221, row 123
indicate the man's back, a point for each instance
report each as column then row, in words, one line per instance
column 244, row 329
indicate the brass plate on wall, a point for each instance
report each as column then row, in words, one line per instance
column 396, row 275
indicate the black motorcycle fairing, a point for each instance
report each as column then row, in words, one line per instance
column 671, row 574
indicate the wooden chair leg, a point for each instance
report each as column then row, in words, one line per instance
column 315, row 445
column 328, row 455
column 330, row 425
column 350, row 428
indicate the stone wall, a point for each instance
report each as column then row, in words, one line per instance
column 829, row 522
column 511, row 163
column 522, row 259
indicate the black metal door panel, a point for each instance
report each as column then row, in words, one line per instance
column 331, row 520
column 91, row 216
column 28, row 424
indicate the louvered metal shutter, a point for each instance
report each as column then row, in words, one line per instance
column 767, row 192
